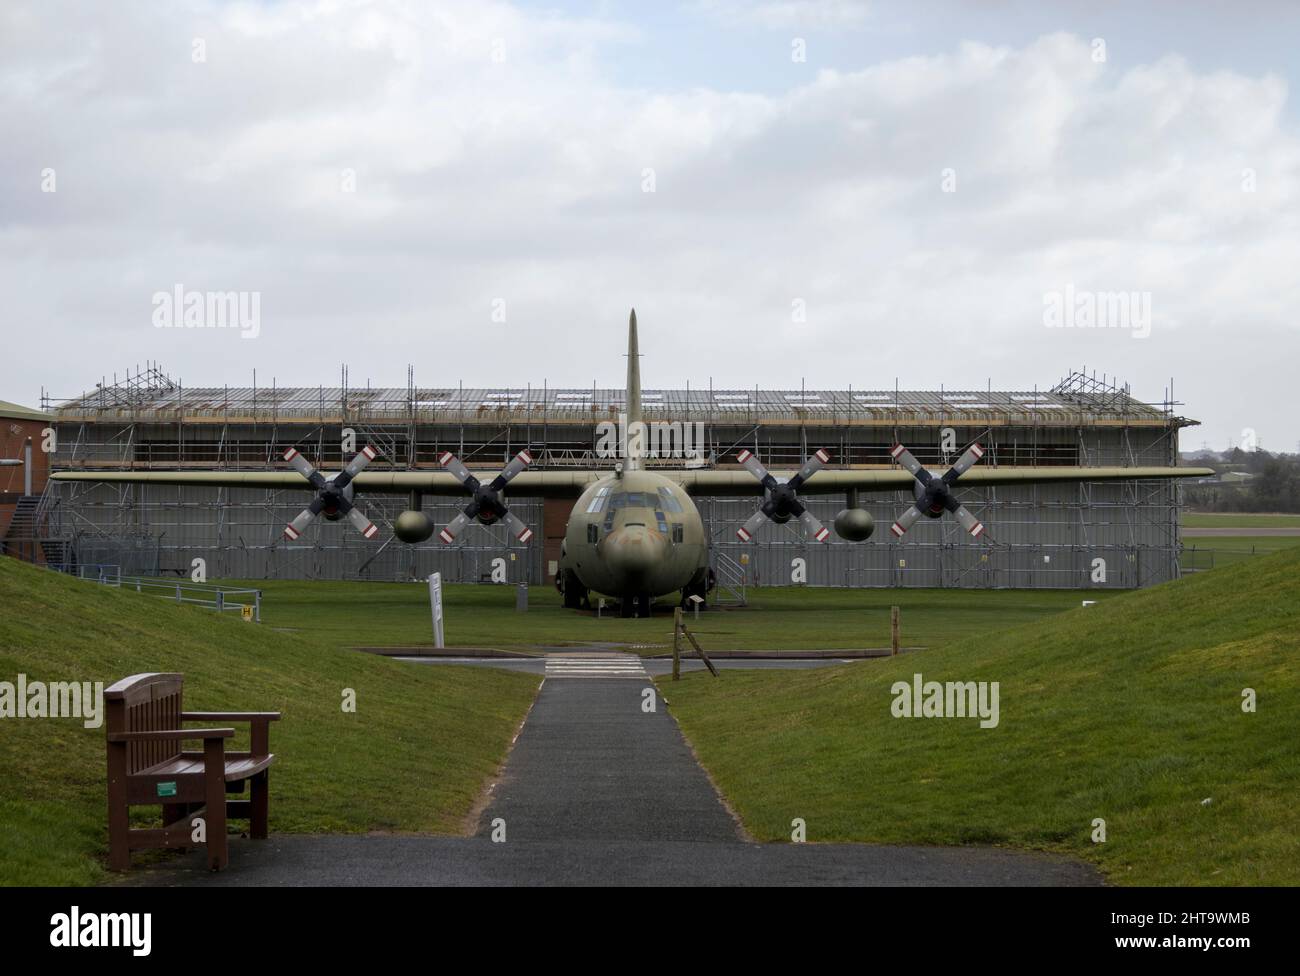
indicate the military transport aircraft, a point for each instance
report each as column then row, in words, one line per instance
column 634, row 534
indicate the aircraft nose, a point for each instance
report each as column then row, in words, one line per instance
column 632, row 550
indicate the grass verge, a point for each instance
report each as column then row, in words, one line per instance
column 413, row 757
column 1130, row 711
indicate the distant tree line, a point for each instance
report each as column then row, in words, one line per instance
column 1274, row 487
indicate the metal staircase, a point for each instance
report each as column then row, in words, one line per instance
column 730, row 577
column 20, row 535
column 34, row 533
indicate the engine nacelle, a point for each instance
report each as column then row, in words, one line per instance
column 412, row 526
column 854, row 524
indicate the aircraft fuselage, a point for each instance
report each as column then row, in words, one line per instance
column 635, row 533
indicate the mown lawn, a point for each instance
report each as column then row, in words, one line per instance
column 1239, row 520
column 413, row 757
column 1130, row 711
column 327, row 613
column 1213, row 552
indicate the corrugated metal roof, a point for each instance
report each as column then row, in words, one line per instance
column 443, row 404
column 15, row 411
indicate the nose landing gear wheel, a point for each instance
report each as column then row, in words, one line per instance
column 635, row 606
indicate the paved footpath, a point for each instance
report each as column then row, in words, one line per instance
column 599, row 791
column 592, row 764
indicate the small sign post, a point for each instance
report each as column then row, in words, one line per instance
column 435, row 601
column 677, row 643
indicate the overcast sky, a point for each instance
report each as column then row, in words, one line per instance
column 902, row 202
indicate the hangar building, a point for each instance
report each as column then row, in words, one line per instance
column 1046, row 536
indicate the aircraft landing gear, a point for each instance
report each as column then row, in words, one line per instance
column 699, row 586
column 637, row 606
column 574, row 593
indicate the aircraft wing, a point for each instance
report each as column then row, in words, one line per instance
column 571, row 483
column 527, row 484
column 740, row 482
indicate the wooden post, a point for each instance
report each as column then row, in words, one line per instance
column 677, row 644
column 700, row 651
column 893, row 630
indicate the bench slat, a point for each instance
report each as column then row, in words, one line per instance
column 164, row 735
column 191, row 764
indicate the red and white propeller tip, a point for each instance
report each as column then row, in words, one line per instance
column 781, row 499
column 934, row 494
column 486, row 502
column 332, row 494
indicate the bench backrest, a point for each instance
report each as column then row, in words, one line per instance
column 145, row 703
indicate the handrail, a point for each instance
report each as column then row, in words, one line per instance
column 214, row 596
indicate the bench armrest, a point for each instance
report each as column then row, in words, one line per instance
column 230, row 716
column 163, row 735
column 259, row 726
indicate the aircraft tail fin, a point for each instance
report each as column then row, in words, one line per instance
column 634, row 422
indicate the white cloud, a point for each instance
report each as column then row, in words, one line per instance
column 780, row 14
column 522, row 178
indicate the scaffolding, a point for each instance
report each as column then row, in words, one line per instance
column 1039, row 536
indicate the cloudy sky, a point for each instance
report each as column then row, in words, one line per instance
column 819, row 191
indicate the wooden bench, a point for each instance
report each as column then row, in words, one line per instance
column 146, row 766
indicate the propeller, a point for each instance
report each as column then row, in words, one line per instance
column 487, row 505
column 934, row 495
column 782, row 501
column 333, row 495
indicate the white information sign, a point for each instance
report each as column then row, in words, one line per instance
column 435, row 601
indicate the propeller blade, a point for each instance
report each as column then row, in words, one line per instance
column 810, row 468
column 362, row 524
column 521, row 532
column 364, row 457
column 458, row 470
column 303, row 519
column 906, row 520
column 968, row 521
column 904, row 457
column 304, row 468
column 746, row 531
column 814, row 527
column 964, row 463
column 517, row 464
column 454, row 528
column 755, row 467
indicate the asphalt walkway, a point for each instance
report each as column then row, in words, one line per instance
column 593, row 764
